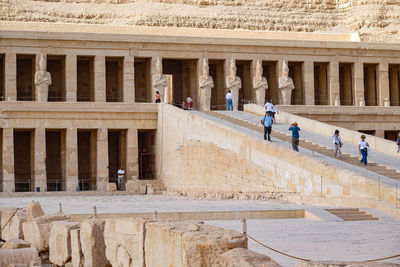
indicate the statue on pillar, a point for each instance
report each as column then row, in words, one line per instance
column 234, row 84
column 205, row 84
column 361, row 101
column 260, row 84
column 286, row 84
column 160, row 81
column 42, row 80
column 337, row 100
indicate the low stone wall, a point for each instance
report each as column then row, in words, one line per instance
column 199, row 154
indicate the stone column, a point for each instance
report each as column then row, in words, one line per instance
column 334, row 86
column 358, row 81
column 102, row 159
column 308, row 78
column 10, row 73
column 40, row 179
column 71, row 77
column 100, row 79
column 71, row 161
column 383, row 83
column 129, row 79
column 132, row 168
column 8, row 160
column 380, row 133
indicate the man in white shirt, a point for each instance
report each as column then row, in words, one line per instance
column 121, row 174
column 269, row 106
column 229, row 100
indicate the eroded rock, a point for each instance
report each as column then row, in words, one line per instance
column 60, row 242
column 19, row 256
column 92, row 243
column 241, row 257
column 16, row 243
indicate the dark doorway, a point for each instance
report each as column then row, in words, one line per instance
column 143, row 91
column 2, row 76
column 392, row 135
column 370, row 84
column 218, row 92
column 146, row 143
column 25, row 77
column 114, row 79
column 244, row 72
column 86, row 159
column 85, row 79
column 321, row 94
column 394, row 84
column 346, row 84
column 54, row 160
column 23, row 157
column 270, row 73
column 56, row 67
column 116, row 153
column 296, row 73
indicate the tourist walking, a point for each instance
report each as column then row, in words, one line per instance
column 268, row 106
column 121, row 174
column 295, row 136
column 363, row 148
column 274, row 110
column 398, row 143
column 267, row 122
column 158, row 100
column 229, row 100
column 189, row 102
column 337, row 142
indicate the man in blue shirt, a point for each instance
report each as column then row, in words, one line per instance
column 295, row 136
column 267, row 121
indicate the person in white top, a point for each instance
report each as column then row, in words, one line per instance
column 121, row 174
column 274, row 110
column 229, row 100
column 363, row 148
column 337, row 142
column 269, row 106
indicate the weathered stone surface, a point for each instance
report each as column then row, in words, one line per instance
column 13, row 229
column 37, row 232
column 111, row 187
column 16, row 243
column 178, row 243
column 92, row 243
column 34, row 210
column 60, row 242
column 346, row 264
column 124, row 239
column 241, row 257
column 132, row 186
column 19, row 256
column 76, row 250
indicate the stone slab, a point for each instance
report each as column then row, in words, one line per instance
column 16, row 243
column 19, row 256
column 34, row 210
column 60, row 242
column 12, row 228
column 92, row 243
column 241, row 257
column 76, row 249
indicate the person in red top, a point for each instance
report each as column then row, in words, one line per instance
column 158, row 100
column 189, row 102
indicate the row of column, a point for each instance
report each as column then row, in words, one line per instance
column 71, row 159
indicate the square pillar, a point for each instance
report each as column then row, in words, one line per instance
column 8, row 160
column 308, row 78
column 71, row 161
column 132, row 167
column 383, row 83
column 10, row 73
column 40, row 177
column 129, row 79
column 71, row 77
column 102, row 159
column 100, row 79
column 334, row 86
column 358, row 81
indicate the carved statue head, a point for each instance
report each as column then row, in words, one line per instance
column 285, row 69
column 205, row 67
column 232, row 68
column 159, row 66
column 42, row 62
column 259, row 69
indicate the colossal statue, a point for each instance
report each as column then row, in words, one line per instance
column 42, row 80
column 206, row 84
column 160, row 81
column 234, row 84
column 260, row 84
column 286, row 84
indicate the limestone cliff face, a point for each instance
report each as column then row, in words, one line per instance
column 376, row 20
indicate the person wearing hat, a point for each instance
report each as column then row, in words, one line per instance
column 363, row 148
column 295, row 136
column 337, row 142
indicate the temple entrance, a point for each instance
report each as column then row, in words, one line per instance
column 244, row 72
column 23, row 158
column 56, row 67
column 55, row 160
column 116, row 153
column 146, row 143
column 25, row 77
column 269, row 72
column 370, row 84
column 114, row 79
column 2, row 77
column 394, row 85
column 296, row 73
column 391, row 135
column 87, row 159
column 218, row 92
column 321, row 94
column 143, row 92
column 184, row 79
column 85, row 79
column 346, row 84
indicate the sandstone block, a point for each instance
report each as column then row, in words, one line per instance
column 60, row 242
column 19, row 256
column 16, row 243
column 34, row 210
column 179, row 243
column 124, row 239
column 92, row 243
column 346, row 264
column 241, row 257
column 12, row 228
column 132, row 186
column 37, row 232
column 111, row 187
column 76, row 250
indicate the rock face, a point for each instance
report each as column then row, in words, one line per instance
column 92, row 243
column 12, row 228
column 19, row 256
column 183, row 243
column 60, row 242
column 34, row 210
column 16, row 243
column 241, row 257
column 76, row 249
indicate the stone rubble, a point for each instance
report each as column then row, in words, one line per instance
column 12, row 228
column 60, row 241
column 16, row 243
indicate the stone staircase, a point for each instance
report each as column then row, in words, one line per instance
column 352, row 215
column 329, row 152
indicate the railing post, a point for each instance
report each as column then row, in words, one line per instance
column 244, row 226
